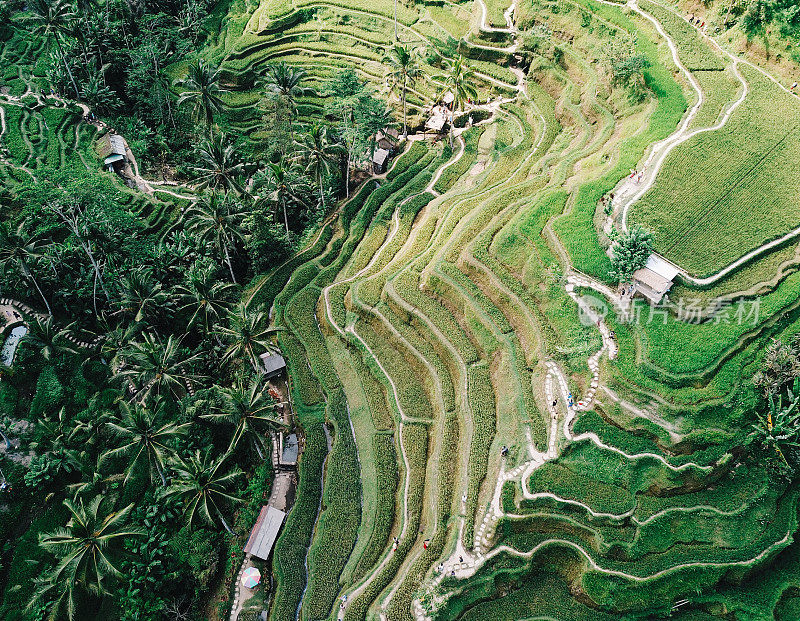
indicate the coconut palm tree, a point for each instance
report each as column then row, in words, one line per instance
column 404, row 69
column 372, row 116
column 142, row 296
column 144, row 439
column 17, row 250
column 250, row 410
column 48, row 338
column 460, row 81
column 320, row 154
column 214, row 219
column 281, row 187
column 203, row 487
column 52, row 19
column 285, row 82
column 158, row 368
column 204, row 299
column 116, row 340
column 779, row 428
column 248, row 336
column 202, row 91
column 221, row 167
column 84, row 552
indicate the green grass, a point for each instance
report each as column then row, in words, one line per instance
column 721, row 89
column 724, row 193
column 695, row 53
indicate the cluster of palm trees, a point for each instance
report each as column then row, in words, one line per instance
column 310, row 159
column 145, row 437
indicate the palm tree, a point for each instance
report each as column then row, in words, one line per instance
column 780, row 366
column 251, row 410
column 780, row 428
column 214, row 219
column 346, row 92
column 460, row 81
column 204, row 298
column 48, row 338
column 202, row 91
column 220, row 166
column 18, row 249
column 247, row 336
column 144, row 439
column 281, row 187
column 51, row 19
column 203, row 487
column 153, row 367
column 141, row 295
column 116, row 341
column 284, row 81
column 321, row 154
column 82, row 550
column 372, row 116
column 404, row 69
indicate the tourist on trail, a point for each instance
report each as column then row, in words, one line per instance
column 425, row 544
column 555, row 402
column 460, row 559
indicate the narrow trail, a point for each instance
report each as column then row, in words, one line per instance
column 462, row 565
column 429, row 188
column 628, row 192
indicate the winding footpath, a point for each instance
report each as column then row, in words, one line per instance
column 628, row 192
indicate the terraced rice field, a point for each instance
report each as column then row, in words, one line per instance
column 727, row 190
column 324, row 37
column 434, row 320
column 40, row 133
column 474, row 447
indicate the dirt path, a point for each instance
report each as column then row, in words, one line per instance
column 629, row 192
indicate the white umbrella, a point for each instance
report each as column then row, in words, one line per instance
column 251, row 577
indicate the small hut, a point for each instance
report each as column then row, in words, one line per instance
column 288, row 451
column 384, row 141
column 274, row 364
column 113, row 152
column 380, row 160
column 655, row 279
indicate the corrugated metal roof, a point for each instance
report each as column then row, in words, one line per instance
column 273, row 363
column 656, row 282
column 662, row 267
column 380, row 156
column 265, row 532
column 289, row 449
column 117, row 144
column 111, row 144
